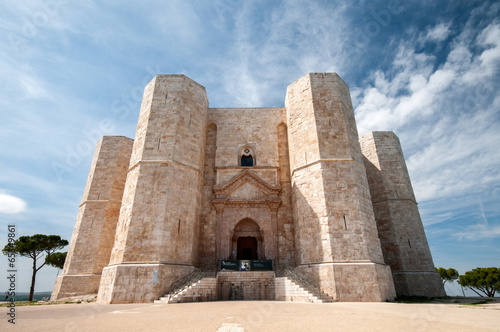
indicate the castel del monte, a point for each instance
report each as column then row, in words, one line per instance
column 280, row 203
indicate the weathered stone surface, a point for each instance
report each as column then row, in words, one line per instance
column 94, row 232
column 400, row 228
column 245, row 285
column 334, row 221
column 138, row 283
column 159, row 218
column 288, row 184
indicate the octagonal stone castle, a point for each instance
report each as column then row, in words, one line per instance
column 292, row 185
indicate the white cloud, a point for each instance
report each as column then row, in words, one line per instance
column 490, row 58
column 460, row 155
column 443, row 115
column 11, row 204
column 438, row 33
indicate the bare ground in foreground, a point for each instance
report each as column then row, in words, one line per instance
column 258, row 316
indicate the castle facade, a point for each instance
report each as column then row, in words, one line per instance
column 293, row 185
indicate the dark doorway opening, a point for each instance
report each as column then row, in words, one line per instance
column 247, row 248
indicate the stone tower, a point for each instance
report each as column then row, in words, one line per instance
column 400, row 228
column 286, row 187
column 94, row 232
column 335, row 230
column 157, row 233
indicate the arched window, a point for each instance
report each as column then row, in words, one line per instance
column 247, row 160
column 247, row 157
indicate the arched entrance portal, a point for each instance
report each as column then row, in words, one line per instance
column 247, row 248
column 247, row 240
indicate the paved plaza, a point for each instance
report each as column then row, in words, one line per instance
column 255, row 316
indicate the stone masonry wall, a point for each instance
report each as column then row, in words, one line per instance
column 207, row 219
column 264, row 130
column 334, row 221
column 159, row 217
column 400, row 228
column 286, row 241
column 248, row 285
column 255, row 127
column 94, row 231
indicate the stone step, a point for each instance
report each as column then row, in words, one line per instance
column 280, row 289
column 288, row 290
column 200, row 291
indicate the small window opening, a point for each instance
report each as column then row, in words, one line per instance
column 247, row 160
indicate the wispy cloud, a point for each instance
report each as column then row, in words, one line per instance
column 33, row 86
column 479, row 231
column 438, row 33
column 290, row 40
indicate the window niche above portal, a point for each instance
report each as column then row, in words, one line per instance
column 246, row 157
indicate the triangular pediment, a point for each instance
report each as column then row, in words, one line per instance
column 247, row 185
column 246, row 191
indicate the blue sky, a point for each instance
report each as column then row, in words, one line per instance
column 72, row 71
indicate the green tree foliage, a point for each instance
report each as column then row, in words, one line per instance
column 35, row 247
column 447, row 274
column 483, row 279
column 57, row 259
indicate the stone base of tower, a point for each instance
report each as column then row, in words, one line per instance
column 138, row 283
column 352, row 282
column 427, row 284
column 75, row 285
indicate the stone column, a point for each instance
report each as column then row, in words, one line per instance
column 219, row 208
column 273, row 209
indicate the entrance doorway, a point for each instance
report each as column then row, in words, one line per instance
column 247, row 248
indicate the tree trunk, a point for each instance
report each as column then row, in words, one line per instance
column 472, row 289
column 32, row 288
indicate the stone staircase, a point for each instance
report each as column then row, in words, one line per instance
column 306, row 284
column 200, row 291
column 287, row 290
column 250, row 285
